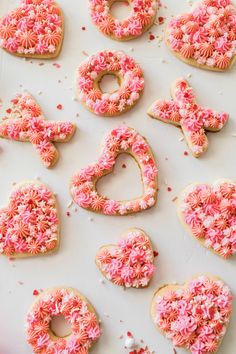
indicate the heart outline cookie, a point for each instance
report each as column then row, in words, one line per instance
column 133, row 260
column 120, row 140
column 194, row 120
column 198, row 37
column 200, row 314
column 32, row 210
column 76, row 308
column 22, row 36
column 208, row 211
column 25, row 122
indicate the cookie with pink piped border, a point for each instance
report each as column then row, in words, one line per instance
column 25, row 122
column 129, row 76
column 209, row 213
column 194, row 316
column 29, row 224
column 76, row 309
column 183, row 111
column 130, row 262
column 118, row 141
column 141, row 18
column 206, row 36
column 33, row 30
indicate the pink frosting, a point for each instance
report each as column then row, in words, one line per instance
column 29, row 224
column 142, row 16
column 183, row 110
column 206, row 35
column 83, row 184
column 210, row 212
column 100, row 64
column 68, row 303
column 25, row 122
column 33, row 28
column 195, row 316
column 130, row 263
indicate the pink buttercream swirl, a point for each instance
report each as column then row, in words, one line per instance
column 83, row 184
column 94, row 68
column 77, row 311
column 195, row 316
column 130, row 263
column 36, row 27
column 206, row 35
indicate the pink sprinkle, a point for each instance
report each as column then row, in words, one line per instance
column 58, row 66
column 59, row 106
column 185, row 153
column 20, row 282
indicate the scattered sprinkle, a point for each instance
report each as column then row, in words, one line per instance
column 60, row 107
column 155, row 254
column 67, row 213
column 35, row 292
column 124, row 165
column 185, row 153
column 83, row 28
column 151, row 37
column 169, row 189
column 58, row 66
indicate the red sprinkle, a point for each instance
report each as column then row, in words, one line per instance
column 161, row 20
column 169, row 189
column 124, row 165
column 155, row 254
column 35, row 292
column 83, row 28
column 68, row 213
column 151, row 37
column 59, row 106
column 129, row 334
column 186, row 153
column 8, row 110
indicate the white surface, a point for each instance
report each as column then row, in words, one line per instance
column 180, row 255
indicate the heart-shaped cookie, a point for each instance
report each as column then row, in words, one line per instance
column 206, row 36
column 34, row 30
column 194, row 316
column 25, row 122
column 209, row 212
column 29, row 225
column 130, row 262
column 120, row 140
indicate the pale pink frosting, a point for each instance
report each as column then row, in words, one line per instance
column 25, row 122
column 183, row 110
column 142, row 16
column 130, row 263
column 207, row 34
column 210, row 212
column 29, row 224
column 83, row 184
column 109, row 62
column 33, row 28
column 195, row 316
column 68, row 303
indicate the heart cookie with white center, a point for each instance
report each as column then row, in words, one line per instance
column 29, row 224
column 194, row 316
column 130, row 262
column 34, row 30
column 120, row 140
column 206, row 36
column 209, row 212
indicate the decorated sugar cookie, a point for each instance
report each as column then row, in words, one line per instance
column 182, row 110
column 206, row 36
column 117, row 63
column 130, row 262
column 29, row 224
column 33, row 30
column 76, row 309
column 25, row 122
column 83, row 183
column 209, row 213
column 140, row 20
column 194, row 316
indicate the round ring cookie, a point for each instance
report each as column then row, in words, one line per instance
column 209, row 213
column 76, row 309
column 206, row 36
column 117, row 63
column 34, row 30
column 25, row 122
column 29, row 224
column 130, row 262
column 194, row 316
column 83, row 183
column 142, row 16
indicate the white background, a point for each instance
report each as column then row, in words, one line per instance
column 83, row 233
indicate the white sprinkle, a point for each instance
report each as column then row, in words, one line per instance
column 70, row 204
column 181, row 139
